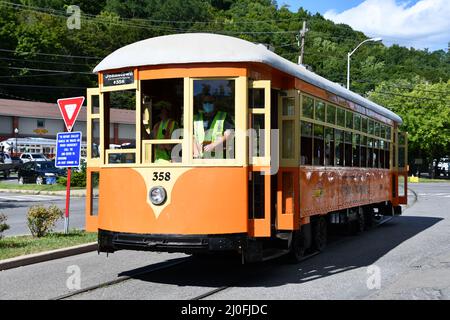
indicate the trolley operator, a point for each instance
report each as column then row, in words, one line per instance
column 212, row 128
column 163, row 130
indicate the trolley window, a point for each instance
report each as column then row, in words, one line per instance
column 331, row 114
column 320, row 111
column 318, row 145
column 356, row 150
column 329, row 146
column 121, row 150
column 162, row 109
column 306, row 143
column 339, row 147
column 340, row 117
column 308, row 107
column 214, row 119
column 363, row 151
column 256, row 98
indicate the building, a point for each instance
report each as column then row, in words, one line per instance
column 44, row 120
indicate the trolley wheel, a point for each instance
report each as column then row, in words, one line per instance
column 297, row 250
column 320, row 234
column 398, row 210
column 39, row 180
column 388, row 209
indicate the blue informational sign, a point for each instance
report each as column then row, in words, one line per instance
column 68, row 149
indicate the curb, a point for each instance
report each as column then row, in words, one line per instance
column 46, row 256
column 74, row 193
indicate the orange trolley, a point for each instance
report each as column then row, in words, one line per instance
column 259, row 153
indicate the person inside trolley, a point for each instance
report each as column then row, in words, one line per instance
column 212, row 128
column 163, row 130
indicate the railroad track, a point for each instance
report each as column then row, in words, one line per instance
column 180, row 261
column 307, row 257
column 217, row 290
column 142, row 271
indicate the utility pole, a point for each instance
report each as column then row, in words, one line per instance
column 301, row 42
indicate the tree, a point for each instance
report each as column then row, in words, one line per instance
column 425, row 109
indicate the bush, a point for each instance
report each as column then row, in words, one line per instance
column 3, row 225
column 62, row 181
column 41, row 220
column 78, row 178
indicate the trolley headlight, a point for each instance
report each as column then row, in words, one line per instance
column 158, row 195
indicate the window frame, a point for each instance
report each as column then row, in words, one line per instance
column 355, row 130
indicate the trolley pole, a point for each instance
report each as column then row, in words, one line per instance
column 66, row 216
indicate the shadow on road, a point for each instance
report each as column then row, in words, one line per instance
column 10, row 204
column 345, row 254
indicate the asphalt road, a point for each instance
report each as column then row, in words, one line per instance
column 15, row 206
column 406, row 258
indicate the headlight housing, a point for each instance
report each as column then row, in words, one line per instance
column 158, row 195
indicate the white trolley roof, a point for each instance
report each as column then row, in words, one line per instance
column 208, row 47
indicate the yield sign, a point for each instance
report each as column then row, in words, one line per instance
column 70, row 108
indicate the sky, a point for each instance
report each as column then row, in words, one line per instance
column 412, row 23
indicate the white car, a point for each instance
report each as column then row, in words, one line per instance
column 25, row 157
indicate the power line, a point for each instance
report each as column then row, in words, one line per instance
column 16, row 97
column 134, row 24
column 38, row 75
column 43, row 61
column 226, row 21
column 48, row 70
column 38, row 86
column 49, row 54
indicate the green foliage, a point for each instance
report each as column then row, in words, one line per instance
column 41, row 220
column 425, row 109
column 62, row 181
column 110, row 24
column 3, row 225
column 77, row 178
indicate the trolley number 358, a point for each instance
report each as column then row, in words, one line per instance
column 161, row 176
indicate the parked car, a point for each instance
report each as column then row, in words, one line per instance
column 6, row 164
column 39, row 172
column 25, row 157
column 17, row 162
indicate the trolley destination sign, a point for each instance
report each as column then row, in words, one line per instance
column 117, row 79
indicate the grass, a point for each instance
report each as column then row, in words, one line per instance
column 35, row 187
column 21, row 245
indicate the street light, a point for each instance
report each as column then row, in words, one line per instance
column 16, row 131
column 350, row 53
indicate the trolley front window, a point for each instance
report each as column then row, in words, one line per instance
column 213, row 119
column 162, row 111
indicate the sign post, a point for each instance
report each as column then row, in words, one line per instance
column 68, row 145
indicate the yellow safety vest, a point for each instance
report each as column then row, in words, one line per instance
column 214, row 132
column 168, row 125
